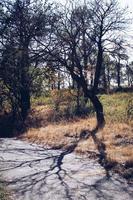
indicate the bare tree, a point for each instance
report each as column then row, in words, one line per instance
column 72, row 48
column 81, row 33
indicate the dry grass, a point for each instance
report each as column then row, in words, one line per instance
column 119, row 141
column 116, row 136
column 59, row 134
column 48, row 127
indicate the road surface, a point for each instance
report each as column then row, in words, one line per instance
column 33, row 172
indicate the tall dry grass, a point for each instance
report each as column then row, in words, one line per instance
column 43, row 127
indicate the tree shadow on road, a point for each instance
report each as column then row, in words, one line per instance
column 39, row 173
column 100, row 146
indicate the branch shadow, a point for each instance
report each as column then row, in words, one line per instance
column 34, row 172
column 101, row 147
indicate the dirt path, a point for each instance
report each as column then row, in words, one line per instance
column 35, row 173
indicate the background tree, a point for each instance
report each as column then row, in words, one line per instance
column 129, row 74
column 107, row 21
column 22, row 22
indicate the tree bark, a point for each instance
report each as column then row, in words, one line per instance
column 98, row 108
column 98, row 66
column 104, row 79
column 108, row 78
column 24, row 88
column 59, row 81
column 118, row 74
column 93, row 98
column 78, row 99
column 99, row 111
column 25, row 102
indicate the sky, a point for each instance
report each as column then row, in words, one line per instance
column 129, row 3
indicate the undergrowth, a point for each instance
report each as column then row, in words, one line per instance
column 118, row 107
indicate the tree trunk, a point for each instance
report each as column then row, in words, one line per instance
column 104, row 79
column 98, row 67
column 73, row 84
column 91, row 82
column 118, row 74
column 96, row 103
column 93, row 98
column 59, row 81
column 25, row 102
column 99, row 111
column 24, row 88
column 108, row 78
column 78, row 99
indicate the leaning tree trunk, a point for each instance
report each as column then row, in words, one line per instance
column 97, row 106
column 99, row 110
column 96, row 103
column 90, row 94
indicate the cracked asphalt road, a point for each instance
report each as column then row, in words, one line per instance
column 33, row 172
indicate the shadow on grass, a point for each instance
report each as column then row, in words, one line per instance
column 100, row 146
